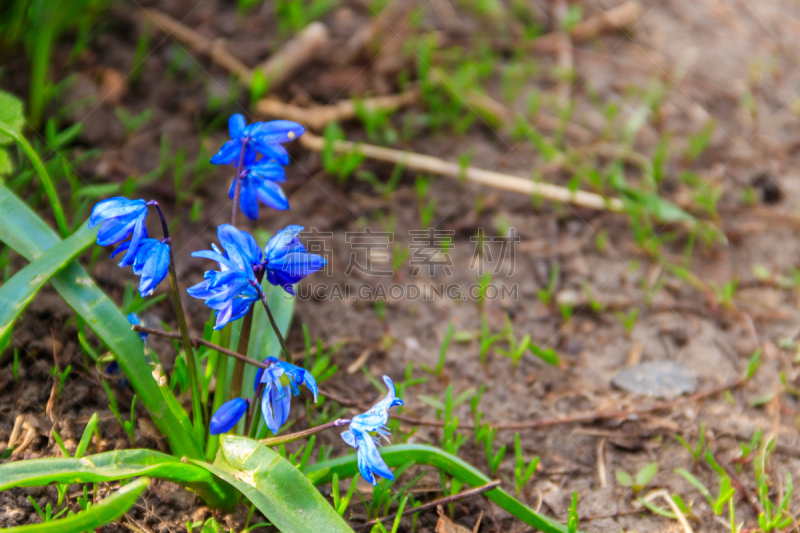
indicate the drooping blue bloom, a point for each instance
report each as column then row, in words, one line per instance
column 120, row 218
column 228, row 415
column 259, row 137
column 233, row 289
column 150, row 261
column 286, row 260
column 281, row 380
column 229, row 291
column 260, row 182
column 133, row 320
column 360, row 437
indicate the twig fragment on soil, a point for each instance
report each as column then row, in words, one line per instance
column 623, row 17
column 197, row 341
column 278, row 68
column 385, row 19
column 294, row 54
column 215, row 50
column 426, row 163
column 317, row 117
column 663, row 494
column 441, row 501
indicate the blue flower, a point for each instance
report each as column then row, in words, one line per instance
column 259, row 137
column 133, row 319
column 286, row 260
column 120, row 218
column 282, row 380
column 229, row 291
column 150, row 261
column 228, row 415
column 360, row 437
column 233, row 289
column 259, row 182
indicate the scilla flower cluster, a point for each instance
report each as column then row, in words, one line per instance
column 257, row 152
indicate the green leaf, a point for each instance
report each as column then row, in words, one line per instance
column 624, row 478
column 17, row 293
column 11, row 115
column 115, row 466
column 6, row 165
column 644, row 475
column 279, row 490
column 27, row 234
column 99, row 515
column 400, row 454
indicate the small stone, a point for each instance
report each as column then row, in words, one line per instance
column 660, row 379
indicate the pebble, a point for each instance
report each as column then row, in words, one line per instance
column 660, row 379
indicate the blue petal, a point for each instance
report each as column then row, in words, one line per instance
column 114, row 231
column 369, row 459
column 236, row 125
column 279, row 243
column 271, row 151
column 227, row 416
column 268, row 170
column 349, row 438
column 271, row 195
column 275, row 406
column 228, row 154
column 139, row 234
column 248, row 201
column 277, row 131
column 118, row 206
column 259, row 374
column 155, row 269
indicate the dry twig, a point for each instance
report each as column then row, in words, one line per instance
column 294, row 54
column 317, row 117
column 280, row 66
column 623, row 17
column 426, row 163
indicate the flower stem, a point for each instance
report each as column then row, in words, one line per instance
column 191, row 363
column 305, row 433
column 238, row 367
column 263, row 296
column 237, row 184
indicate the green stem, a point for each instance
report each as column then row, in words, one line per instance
column 238, row 367
column 47, row 183
column 219, row 399
column 286, row 352
column 198, row 413
column 274, row 441
column 400, row 454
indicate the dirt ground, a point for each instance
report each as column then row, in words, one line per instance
column 734, row 62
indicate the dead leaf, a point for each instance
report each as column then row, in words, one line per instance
column 445, row 525
column 112, row 86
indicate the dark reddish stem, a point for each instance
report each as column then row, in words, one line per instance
column 237, row 186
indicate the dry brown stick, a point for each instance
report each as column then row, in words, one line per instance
column 623, row 17
column 200, row 43
column 199, row 341
column 294, row 54
column 317, row 117
column 386, row 18
column 441, row 501
column 426, row 163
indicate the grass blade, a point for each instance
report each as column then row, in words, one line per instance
column 115, row 466
column 278, row 489
column 17, row 293
column 99, row 515
column 421, row 454
column 26, row 233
